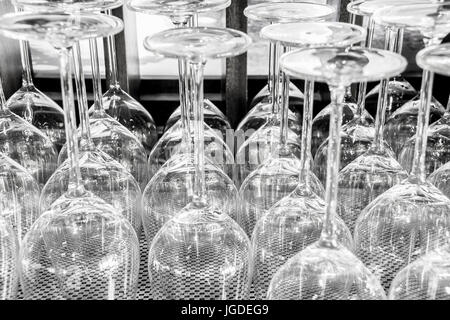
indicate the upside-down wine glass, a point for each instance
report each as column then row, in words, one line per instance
column 327, row 269
column 296, row 221
column 428, row 277
column 101, row 174
column 375, row 171
column 431, row 20
column 413, row 217
column 265, row 141
column 124, row 108
column 170, row 188
column 203, row 251
column 108, row 135
column 81, row 248
column 182, row 14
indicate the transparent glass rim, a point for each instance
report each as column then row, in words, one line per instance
column 69, row 6
column 151, row 43
column 290, row 41
column 9, row 23
column 158, row 8
column 358, row 77
column 250, row 12
column 438, row 65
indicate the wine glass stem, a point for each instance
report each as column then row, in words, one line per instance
column 96, row 80
column 80, row 87
column 333, row 164
column 391, row 42
column 363, row 85
column 27, row 79
column 75, row 182
column 307, row 132
column 196, row 73
column 419, row 169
